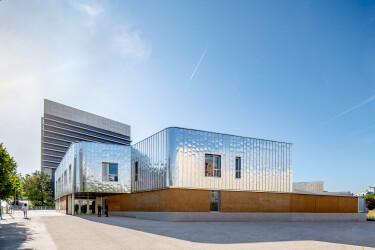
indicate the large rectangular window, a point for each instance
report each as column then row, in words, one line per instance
column 212, row 165
column 110, row 171
column 215, row 201
column 238, row 167
column 136, row 171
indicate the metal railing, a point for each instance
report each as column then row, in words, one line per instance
column 42, row 208
column 18, row 208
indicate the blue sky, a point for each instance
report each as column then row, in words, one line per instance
column 294, row 71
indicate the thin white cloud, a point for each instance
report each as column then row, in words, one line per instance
column 90, row 13
column 199, row 62
column 132, row 45
column 351, row 109
column 90, row 10
column 59, row 68
column 122, row 36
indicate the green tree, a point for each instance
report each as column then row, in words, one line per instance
column 10, row 181
column 38, row 188
column 369, row 196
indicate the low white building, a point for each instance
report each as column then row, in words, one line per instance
column 370, row 190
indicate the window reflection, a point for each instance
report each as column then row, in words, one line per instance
column 213, row 165
column 215, row 201
column 209, row 169
column 136, row 171
column 238, row 167
column 110, row 171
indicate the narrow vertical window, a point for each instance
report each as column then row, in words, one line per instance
column 65, row 178
column 136, row 171
column 212, row 165
column 238, row 167
column 70, row 173
column 215, row 201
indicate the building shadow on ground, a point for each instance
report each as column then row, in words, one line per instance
column 13, row 235
column 351, row 233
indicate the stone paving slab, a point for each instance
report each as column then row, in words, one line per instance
column 52, row 230
column 16, row 232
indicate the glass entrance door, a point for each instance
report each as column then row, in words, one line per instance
column 215, row 201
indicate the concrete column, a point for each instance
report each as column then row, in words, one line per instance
column 73, row 203
column 97, row 202
column 69, row 204
column 88, row 205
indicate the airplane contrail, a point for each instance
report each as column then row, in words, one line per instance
column 199, row 62
column 351, row 109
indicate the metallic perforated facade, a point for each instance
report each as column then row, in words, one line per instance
column 81, row 169
column 175, row 157
column 308, row 187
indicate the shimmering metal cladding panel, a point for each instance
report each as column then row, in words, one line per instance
column 86, row 160
column 62, row 188
column 308, row 187
column 266, row 165
column 175, row 157
column 152, row 159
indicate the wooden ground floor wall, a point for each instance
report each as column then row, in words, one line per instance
column 192, row 200
column 62, row 203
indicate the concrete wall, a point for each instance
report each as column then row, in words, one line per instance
column 242, row 217
column 192, row 200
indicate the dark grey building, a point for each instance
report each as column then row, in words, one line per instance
column 63, row 125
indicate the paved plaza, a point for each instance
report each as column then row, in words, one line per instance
column 53, row 230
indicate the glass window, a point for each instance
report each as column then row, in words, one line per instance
column 110, row 171
column 215, row 201
column 70, row 173
column 136, row 171
column 238, row 167
column 65, row 178
column 209, row 169
column 212, row 165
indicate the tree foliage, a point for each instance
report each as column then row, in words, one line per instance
column 10, row 181
column 369, row 196
column 38, row 188
column 370, row 203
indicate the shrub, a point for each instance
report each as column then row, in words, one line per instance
column 76, row 208
column 83, row 209
column 370, row 203
column 214, row 206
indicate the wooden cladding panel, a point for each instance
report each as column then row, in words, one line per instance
column 193, row 200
